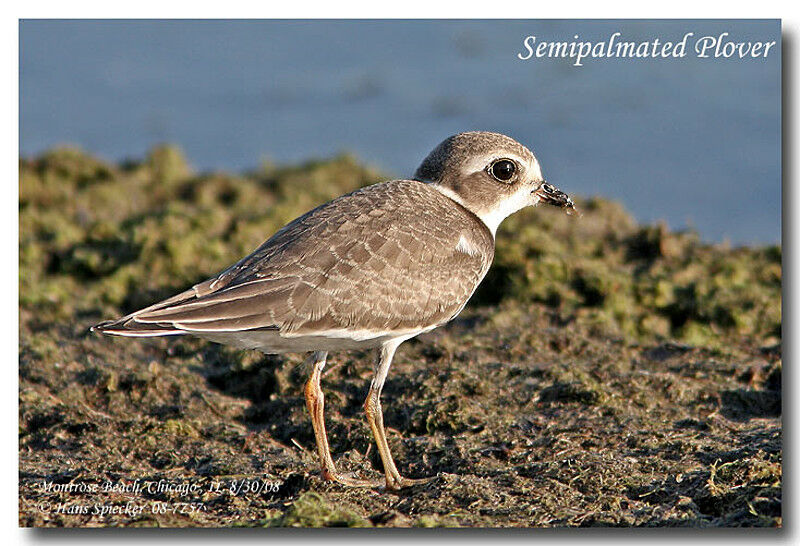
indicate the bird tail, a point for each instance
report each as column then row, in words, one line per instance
column 128, row 326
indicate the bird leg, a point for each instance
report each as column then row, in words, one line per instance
column 372, row 407
column 315, row 402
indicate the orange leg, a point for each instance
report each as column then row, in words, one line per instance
column 315, row 402
column 372, row 407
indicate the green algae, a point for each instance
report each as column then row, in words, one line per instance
column 314, row 510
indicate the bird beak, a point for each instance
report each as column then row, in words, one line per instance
column 547, row 193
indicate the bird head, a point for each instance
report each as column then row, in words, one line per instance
column 491, row 175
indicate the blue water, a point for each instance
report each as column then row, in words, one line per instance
column 694, row 142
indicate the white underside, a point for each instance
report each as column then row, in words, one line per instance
column 272, row 342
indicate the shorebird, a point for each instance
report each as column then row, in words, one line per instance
column 369, row 269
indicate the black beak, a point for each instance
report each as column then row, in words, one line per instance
column 551, row 195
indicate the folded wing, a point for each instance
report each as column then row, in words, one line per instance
column 383, row 258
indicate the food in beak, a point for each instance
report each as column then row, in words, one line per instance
column 553, row 196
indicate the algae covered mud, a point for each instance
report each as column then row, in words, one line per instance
column 605, row 373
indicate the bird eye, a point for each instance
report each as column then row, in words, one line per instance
column 503, row 169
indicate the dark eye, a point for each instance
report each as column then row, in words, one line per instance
column 503, row 169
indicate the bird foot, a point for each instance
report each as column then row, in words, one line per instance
column 399, row 482
column 350, row 479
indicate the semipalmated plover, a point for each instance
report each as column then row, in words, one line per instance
column 370, row 269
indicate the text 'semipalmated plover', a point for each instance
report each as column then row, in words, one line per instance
column 372, row 268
